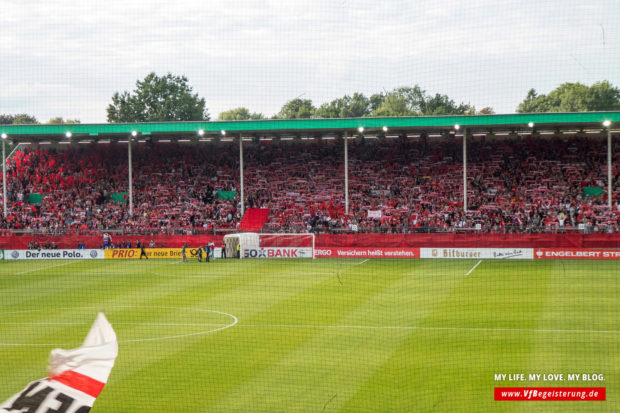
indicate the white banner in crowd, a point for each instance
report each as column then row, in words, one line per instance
column 478, row 253
column 53, row 254
column 77, row 376
column 375, row 214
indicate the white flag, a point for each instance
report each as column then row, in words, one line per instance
column 77, row 376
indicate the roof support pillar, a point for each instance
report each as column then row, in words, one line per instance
column 4, row 200
column 241, row 175
column 465, row 170
column 610, row 189
column 346, row 172
column 130, row 167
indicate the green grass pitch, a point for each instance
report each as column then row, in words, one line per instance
column 320, row 335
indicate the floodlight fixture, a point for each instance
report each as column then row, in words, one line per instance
column 68, row 134
column 457, row 127
column 361, row 129
column 385, row 129
column 223, row 132
column 606, row 123
column 530, row 124
column 4, row 135
column 134, row 133
column 201, row 132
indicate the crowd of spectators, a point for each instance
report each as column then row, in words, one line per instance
column 33, row 245
column 395, row 185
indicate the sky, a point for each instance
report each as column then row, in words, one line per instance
column 67, row 58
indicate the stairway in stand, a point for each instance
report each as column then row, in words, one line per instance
column 254, row 219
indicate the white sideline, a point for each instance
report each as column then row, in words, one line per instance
column 534, row 330
column 353, row 327
column 473, row 268
column 360, row 263
column 221, row 326
column 47, row 267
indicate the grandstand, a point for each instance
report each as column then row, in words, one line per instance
column 395, row 264
column 538, row 173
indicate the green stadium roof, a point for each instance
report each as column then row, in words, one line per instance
column 313, row 127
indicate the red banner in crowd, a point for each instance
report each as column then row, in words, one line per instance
column 355, row 252
column 576, row 254
column 550, row 241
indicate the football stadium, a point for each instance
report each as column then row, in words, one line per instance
column 390, row 250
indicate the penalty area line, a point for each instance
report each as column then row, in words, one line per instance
column 473, row 268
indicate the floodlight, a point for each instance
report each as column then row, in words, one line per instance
column 530, row 124
column 223, row 132
column 201, row 132
column 361, row 129
column 68, row 134
column 606, row 123
column 134, row 133
column 457, row 127
column 385, row 129
column 4, row 135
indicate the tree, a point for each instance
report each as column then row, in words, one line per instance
column 375, row 101
column 393, row 104
column 443, row 105
column 156, row 99
column 345, row 107
column 296, row 109
column 414, row 101
column 20, row 119
column 60, row 121
column 485, row 111
column 240, row 114
column 573, row 97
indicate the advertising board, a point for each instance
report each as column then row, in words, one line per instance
column 87, row 254
column 478, row 253
column 155, row 253
column 363, row 252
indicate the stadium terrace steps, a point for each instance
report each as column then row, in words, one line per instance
column 254, row 219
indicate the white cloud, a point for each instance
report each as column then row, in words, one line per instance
column 69, row 57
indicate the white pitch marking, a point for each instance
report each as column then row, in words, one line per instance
column 429, row 328
column 46, row 268
column 359, row 327
column 360, row 263
column 473, row 268
column 199, row 333
column 42, row 323
column 206, row 275
column 220, row 325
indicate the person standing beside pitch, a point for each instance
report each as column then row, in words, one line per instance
column 211, row 245
column 143, row 252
